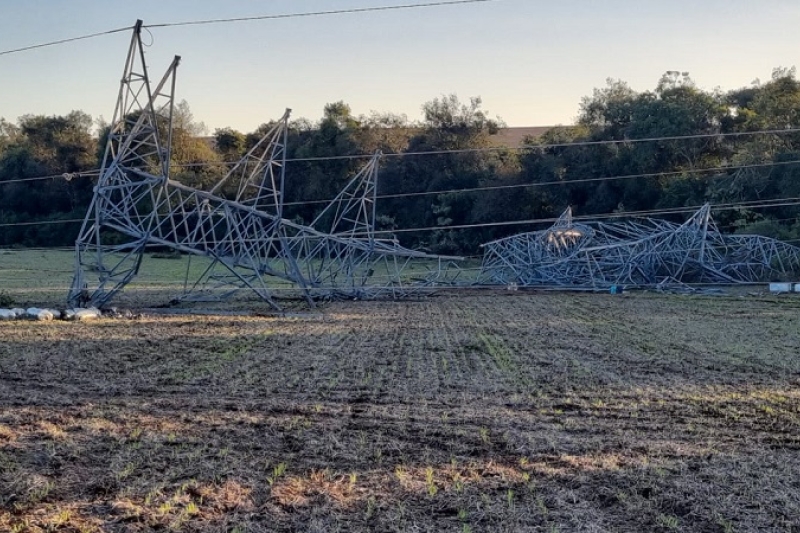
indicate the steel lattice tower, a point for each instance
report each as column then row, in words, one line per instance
column 136, row 204
column 640, row 252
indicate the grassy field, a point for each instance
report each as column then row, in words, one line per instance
column 43, row 277
column 504, row 411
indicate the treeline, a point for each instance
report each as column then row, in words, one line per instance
column 672, row 147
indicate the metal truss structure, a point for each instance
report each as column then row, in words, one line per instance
column 238, row 223
column 642, row 252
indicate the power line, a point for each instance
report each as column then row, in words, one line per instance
column 316, row 13
column 673, row 174
column 40, row 223
column 756, row 204
column 67, row 176
column 96, row 172
column 522, row 148
column 244, row 19
column 779, row 202
column 92, row 172
column 64, row 41
column 665, row 138
column 555, row 145
column 527, row 148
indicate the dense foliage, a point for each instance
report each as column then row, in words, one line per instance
column 700, row 156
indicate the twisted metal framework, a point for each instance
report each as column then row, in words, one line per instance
column 136, row 204
column 643, row 252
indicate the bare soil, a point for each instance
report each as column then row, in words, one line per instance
column 502, row 411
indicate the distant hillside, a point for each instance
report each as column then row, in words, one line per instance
column 513, row 137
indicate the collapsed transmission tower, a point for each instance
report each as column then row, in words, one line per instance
column 641, row 252
column 238, row 223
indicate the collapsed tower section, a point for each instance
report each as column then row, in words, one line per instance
column 238, row 223
column 639, row 252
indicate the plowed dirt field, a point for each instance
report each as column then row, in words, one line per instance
column 503, row 411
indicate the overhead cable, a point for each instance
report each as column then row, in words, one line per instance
column 757, row 204
column 529, row 148
column 316, row 13
column 468, row 150
column 245, row 19
column 674, row 174
column 64, row 41
column 488, row 188
column 779, row 202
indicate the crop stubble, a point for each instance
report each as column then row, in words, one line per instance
column 484, row 412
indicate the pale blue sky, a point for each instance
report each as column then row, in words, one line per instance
column 531, row 61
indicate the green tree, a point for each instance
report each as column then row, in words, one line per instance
column 193, row 158
column 230, row 144
column 319, row 171
column 454, row 132
column 45, row 146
